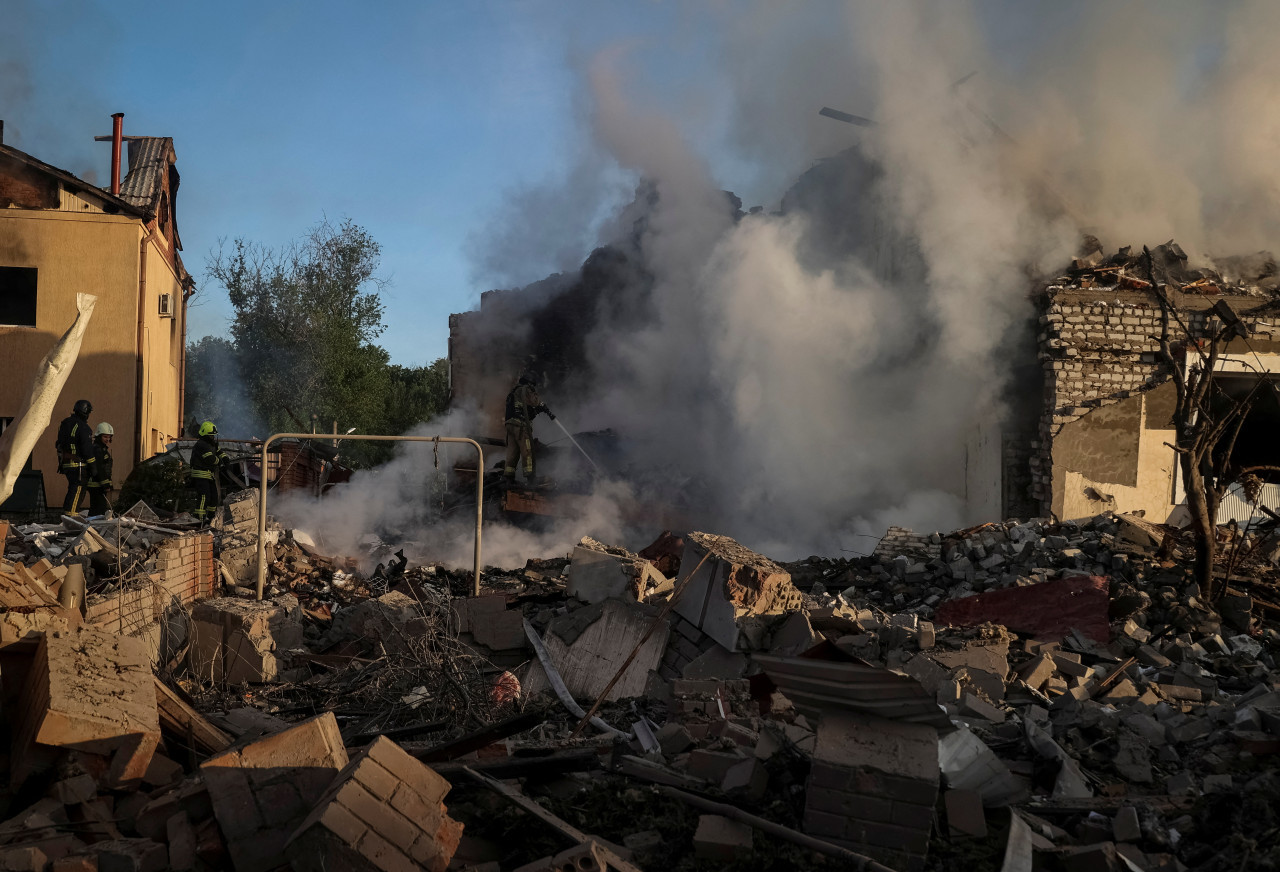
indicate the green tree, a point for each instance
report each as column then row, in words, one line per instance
column 415, row 395
column 306, row 317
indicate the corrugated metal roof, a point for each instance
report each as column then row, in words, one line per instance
column 1235, row 506
column 815, row 685
column 148, row 165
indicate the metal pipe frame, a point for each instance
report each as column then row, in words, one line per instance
column 262, row 493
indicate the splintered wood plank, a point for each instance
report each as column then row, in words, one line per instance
column 182, row 721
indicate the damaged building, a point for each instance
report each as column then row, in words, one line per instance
column 60, row 235
column 1101, row 440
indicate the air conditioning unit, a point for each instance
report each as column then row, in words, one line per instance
column 166, row 305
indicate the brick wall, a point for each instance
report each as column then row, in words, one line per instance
column 25, row 187
column 1098, row 347
column 184, row 572
column 872, row 787
column 686, row 644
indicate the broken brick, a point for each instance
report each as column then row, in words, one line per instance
column 93, row 691
column 364, row 821
column 263, row 791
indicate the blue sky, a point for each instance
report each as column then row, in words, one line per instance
column 414, row 119
column 420, row 120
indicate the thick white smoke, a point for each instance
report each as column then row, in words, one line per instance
column 818, row 369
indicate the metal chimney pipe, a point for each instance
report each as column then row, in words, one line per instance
column 117, row 139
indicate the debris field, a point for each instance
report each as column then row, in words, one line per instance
column 1016, row 696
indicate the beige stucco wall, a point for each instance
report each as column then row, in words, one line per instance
column 1151, row 487
column 99, row 254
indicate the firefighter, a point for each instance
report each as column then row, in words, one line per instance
column 100, row 469
column 523, row 405
column 75, row 452
column 207, row 461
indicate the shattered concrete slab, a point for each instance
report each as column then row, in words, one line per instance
column 489, row 623
column 235, row 640
column 733, row 584
column 602, row 636
column 598, row 571
column 94, row 692
column 384, row 811
column 262, row 793
column 388, row 622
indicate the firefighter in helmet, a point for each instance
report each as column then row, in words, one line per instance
column 207, row 462
column 75, row 452
column 523, row 405
column 100, row 469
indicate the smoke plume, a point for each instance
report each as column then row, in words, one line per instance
column 807, row 374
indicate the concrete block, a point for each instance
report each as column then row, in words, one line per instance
column 235, row 640
column 181, row 838
column 131, row 855
column 1037, row 671
column 674, row 739
column 93, row 691
column 383, row 811
column 500, row 631
column 72, row 791
column 263, row 791
column 793, row 636
column 711, row 766
column 748, row 777
column 162, row 771
column 75, row 863
column 1125, row 826
column 1101, row 857
column 716, row 663
column 597, row 572
column 23, row 859
column 734, row 583
column 720, row 838
column 980, row 708
column 895, row 748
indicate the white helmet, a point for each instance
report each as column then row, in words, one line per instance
column 104, row 428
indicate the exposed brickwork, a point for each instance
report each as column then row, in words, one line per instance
column 733, row 582
column 261, row 793
column 873, row 786
column 26, row 188
column 383, row 811
column 1098, row 347
column 184, row 573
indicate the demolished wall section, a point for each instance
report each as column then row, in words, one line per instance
column 183, row 573
column 1102, row 428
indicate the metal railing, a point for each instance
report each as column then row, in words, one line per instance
column 262, row 494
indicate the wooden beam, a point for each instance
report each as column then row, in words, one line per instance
column 186, row 724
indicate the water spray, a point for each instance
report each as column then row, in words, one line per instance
column 576, row 445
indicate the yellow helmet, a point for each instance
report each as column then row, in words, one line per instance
column 207, row 429
column 104, row 429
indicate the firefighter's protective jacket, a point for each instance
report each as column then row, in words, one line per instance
column 100, row 465
column 523, row 405
column 207, row 459
column 75, row 442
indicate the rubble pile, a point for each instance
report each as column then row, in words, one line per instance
column 1025, row 695
column 1254, row 274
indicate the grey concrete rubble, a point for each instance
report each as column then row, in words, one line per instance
column 1058, row 693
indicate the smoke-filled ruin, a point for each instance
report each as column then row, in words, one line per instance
column 907, row 496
